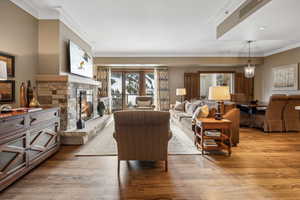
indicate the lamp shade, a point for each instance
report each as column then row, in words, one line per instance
column 180, row 91
column 219, row 93
column 3, row 71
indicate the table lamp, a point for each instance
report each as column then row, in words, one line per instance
column 180, row 92
column 3, row 71
column 219, row 94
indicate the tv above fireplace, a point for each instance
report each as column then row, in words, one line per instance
column 81, row 63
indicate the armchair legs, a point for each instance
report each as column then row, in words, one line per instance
column 118, row 167
column 166, row 165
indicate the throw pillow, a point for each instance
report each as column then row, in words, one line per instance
column 179, row 106
column 201, row 112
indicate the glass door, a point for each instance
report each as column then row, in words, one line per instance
column 117, row 90
column 132, row 88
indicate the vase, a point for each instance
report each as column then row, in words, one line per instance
column 34, row 103
column 29, row 93
column 23, row 99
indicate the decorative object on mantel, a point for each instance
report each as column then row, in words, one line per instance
column 100, row 108
column 34, row 103
column 285, row 77
column 219, row 94
column 249, row 70
column 29, row 92
column 181, row 92
column 3, row 70
column 9, row 60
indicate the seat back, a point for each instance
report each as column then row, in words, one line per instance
column 291, row 116
column 142, row 135
column 274, row 113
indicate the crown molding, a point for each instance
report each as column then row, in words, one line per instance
column 280, row 50
column 53, row 13
column 28, row 6
column 101, row 54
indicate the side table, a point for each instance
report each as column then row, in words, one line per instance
column 223, row 141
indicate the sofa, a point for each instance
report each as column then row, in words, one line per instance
column 183, row 119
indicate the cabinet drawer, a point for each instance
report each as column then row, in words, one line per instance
column 11, row 125
column 13, row 156
column 37, row 118
column 43, row 139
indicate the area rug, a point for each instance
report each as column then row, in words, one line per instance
column 105, row 145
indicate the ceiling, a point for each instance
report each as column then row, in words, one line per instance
column 161, row 28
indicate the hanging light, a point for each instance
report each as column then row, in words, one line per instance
column 249, row 70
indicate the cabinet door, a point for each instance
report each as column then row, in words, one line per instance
column 13, row 156
column 43, row 139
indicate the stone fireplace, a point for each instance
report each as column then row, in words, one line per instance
column 63, row 91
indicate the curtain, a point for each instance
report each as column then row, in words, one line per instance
column 103, row 75
column 162, row 94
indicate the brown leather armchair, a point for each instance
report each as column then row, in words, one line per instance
column 272, row 120
column 142, row 135
column 234, row 116
column 291, row 116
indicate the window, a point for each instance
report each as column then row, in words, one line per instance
column 127, row 85
column 215, row 79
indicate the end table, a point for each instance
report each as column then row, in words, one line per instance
column 223, row 141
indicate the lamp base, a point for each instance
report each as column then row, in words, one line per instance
column 218, row 115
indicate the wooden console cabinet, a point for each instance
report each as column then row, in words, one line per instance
column 26, row 139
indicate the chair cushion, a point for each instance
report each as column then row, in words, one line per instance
column 144, row 103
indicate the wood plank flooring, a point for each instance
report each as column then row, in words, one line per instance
column 261, row 167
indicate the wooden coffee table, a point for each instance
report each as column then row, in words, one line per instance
column 223, row 141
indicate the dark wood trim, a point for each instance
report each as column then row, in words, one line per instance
column 12, row 63
column 12, row 100
column 216, row 72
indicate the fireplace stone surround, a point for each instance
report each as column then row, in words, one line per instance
column 61, row 90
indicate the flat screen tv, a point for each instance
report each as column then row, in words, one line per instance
column 81, row 63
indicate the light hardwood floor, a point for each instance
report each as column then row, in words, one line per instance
column 261, row 167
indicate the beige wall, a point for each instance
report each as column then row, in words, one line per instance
column 176, row 76
column 19, row 33
column 48, row 47
column 66, row 34
column 264, row 73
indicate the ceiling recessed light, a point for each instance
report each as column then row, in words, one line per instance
column 262, row 28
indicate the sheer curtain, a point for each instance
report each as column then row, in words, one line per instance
column 162, row 94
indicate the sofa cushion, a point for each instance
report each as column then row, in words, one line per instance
column 179, row 106
column 201, row 112
column 190, row 108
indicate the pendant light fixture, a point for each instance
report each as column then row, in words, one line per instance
column 249, row 70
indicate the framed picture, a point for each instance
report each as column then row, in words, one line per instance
column 7, row 91
column 285, row 77
column 10, row 63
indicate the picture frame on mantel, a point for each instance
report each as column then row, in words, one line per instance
column 7, row 91
column 10, row 63
column 285, row 78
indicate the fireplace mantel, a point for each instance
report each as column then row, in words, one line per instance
column 66, row 78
